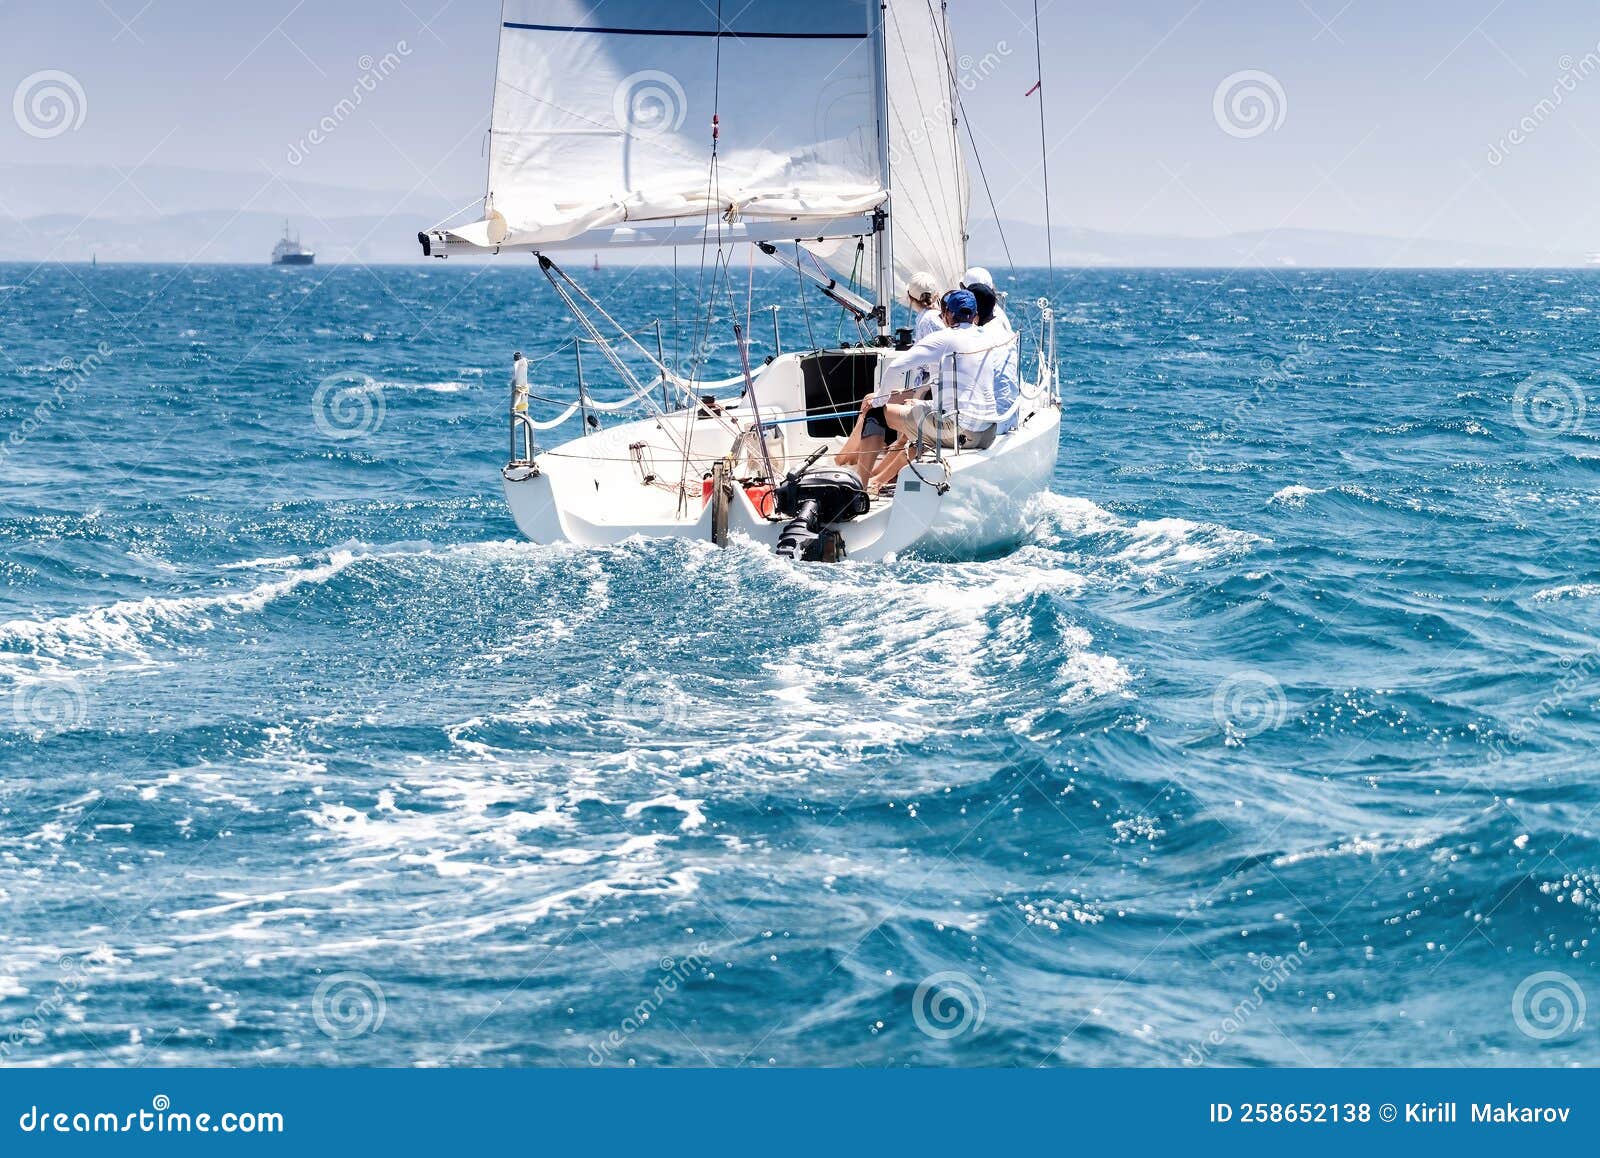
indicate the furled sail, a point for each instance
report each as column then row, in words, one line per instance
column 603, row 116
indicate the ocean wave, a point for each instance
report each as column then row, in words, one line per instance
column 131, row 630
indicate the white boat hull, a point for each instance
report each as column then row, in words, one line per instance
column 593, row 491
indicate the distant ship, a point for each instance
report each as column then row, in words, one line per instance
column 289, row 251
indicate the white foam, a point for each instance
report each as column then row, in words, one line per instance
column 1568, row 591
column 129, row 629
column 693, row 817
column 446, row 387
column 1296, row 495
column 1372, row 845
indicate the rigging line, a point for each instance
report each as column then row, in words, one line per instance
column 623, row 371
column 855, row 270
column 750, row 286
column 805, row 306
column 966, row 123
column 937, row 178
column 1044, row 152
column 548, row 266
column 713, row 198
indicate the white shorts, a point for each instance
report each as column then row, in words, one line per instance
column 933, row 426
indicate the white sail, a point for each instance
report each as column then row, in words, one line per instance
column 927, row 164
column 603, row 116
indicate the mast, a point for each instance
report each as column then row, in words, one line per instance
column 881, row 219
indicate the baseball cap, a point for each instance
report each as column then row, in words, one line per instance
column 977, row 275
column 961, row 304
column 922, row 285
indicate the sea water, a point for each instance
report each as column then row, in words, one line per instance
column 1272, row 744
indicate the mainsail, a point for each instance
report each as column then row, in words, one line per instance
column 824, row 111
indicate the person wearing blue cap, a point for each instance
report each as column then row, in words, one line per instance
column 961, row 413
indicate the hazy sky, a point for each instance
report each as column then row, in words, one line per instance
column 1396, row 117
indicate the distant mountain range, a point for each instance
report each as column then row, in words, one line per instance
column 1274, row 249
column 73, row 213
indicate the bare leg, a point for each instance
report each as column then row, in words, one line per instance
column 871, row 448
column 849, row 453
column 888, row 469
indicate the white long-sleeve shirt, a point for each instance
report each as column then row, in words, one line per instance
column 965, row 358
column 1006, row 380
column 929, row 321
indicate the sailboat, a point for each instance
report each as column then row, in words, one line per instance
column 828, row 136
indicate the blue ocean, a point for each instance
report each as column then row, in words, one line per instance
column 1272, row 744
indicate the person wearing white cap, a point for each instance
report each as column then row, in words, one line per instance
column 993, row 320
column 977, row 275
column 922, row 292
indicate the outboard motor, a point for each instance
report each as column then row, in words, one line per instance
column 814, row 500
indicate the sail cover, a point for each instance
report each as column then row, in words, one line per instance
column 603, row 115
